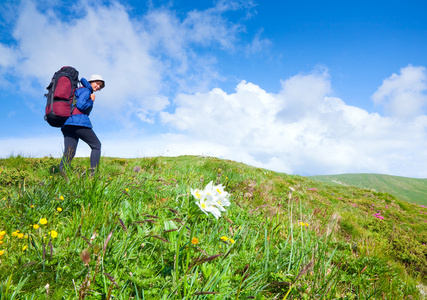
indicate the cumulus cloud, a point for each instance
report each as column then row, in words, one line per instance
column 93, row 44
column 302, row 129
column 320, row 134
column 144, row 61
column 404, row 95
column 159, row 68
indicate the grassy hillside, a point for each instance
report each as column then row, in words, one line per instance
column 409, row 189
column 146, row 229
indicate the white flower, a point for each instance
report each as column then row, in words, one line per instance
column 198, row 194
column 223, row 201
column 216, row 190
column 215, row 201
column 220, row 202
column 206, row 206
column 219, row 189
column 217, row 195
column 211, row 199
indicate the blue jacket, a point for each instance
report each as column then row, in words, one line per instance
column 84, row 104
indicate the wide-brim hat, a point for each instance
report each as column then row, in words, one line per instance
column 97, row 77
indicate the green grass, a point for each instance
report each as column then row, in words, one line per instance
column 409, row 189
column 128, row 233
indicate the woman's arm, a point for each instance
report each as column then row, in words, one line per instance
column 84, row 102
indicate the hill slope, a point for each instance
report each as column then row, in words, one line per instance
column 413, row 190
column 145, row 229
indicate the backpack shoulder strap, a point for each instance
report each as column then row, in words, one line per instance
column 74, row 102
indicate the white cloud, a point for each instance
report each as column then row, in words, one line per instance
column 301, row 129
column 40, row 146
column 258, row 44
column 141, row 59
column 7, row 56
column 319, row 134
column 93, row 44
column 404, row 95
column 304, row 93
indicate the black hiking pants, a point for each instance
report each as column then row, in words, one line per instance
column 72, row 134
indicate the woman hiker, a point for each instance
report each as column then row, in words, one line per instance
column 78, row 125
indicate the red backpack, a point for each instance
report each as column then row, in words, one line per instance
column 60, row 96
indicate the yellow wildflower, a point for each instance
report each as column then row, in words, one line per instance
column 194, row 241
column 2, row 232
column 1, row 252
column 36, row 226
column 43, row 221
column 59, row 209
column 53, row 233
column 232, row 241
column 1, row 242
column 224, row 238
column 24, row 248
column 31, row 206
column 20, row 235
column 61, row 197
column 15, row 233
column 306, row 224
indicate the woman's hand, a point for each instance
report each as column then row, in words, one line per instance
column 92, row 96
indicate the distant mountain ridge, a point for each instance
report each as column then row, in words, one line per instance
column 413, row 190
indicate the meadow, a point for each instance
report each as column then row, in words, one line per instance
column 412, row 190
column 141, row 229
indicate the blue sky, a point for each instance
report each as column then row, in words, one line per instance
column 302, row 87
